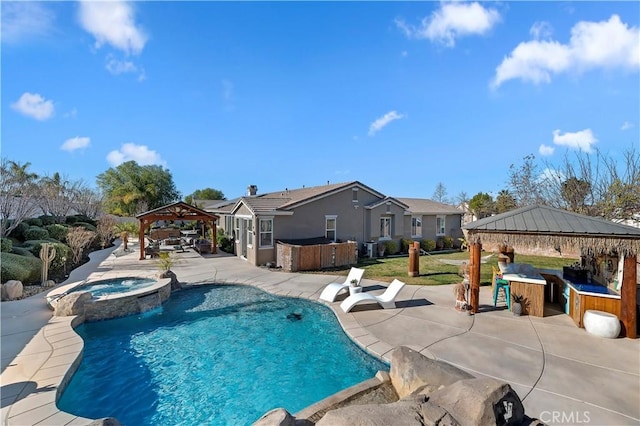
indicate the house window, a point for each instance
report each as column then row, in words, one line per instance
column 385, row 227
column 250, row 232
column 354, row 195
column 237, row 230
column 416, row 226
column 330, row 227
column 266, row 232
column 440, row 225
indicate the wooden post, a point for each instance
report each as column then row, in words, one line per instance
column 628, row 295
column 141, row 230
column 414, row 259
column 214, row 243
column 474, row 275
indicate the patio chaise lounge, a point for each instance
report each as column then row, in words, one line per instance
column 386, row 300
column 332, row 290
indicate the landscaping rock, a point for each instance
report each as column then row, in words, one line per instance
column 175, row 284
column 276, row 417
column 12, row 290
column 412, row 371
column 480, row 402
column 433, row 414
column 404, row 413
column 72, row 304
column 49, row 283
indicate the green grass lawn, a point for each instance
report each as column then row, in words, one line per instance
column 434, row 272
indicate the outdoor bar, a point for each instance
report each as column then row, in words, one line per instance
column 600, row 288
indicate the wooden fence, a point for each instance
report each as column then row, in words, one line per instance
column 292, row 258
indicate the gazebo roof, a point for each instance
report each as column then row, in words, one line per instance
column 177, row 211
column 542, row 225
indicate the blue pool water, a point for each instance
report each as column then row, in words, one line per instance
column 115, row 285
column 215, row 355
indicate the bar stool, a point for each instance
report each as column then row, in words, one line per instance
column 500, row 283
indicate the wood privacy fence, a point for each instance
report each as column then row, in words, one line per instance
column 292, row 257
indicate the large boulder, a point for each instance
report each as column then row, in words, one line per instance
column 412, row 372
column 107, row 421
column 12, row 290
column 406, row 413
column 276, row 417
column 480, row 402
column 49, row 283
column 72, row 304
column 175, row 284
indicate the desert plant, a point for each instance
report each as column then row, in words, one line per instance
column 166, row 261
column 517, row 304
column 355, row 283
column 47, row 254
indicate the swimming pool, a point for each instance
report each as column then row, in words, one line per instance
column 214, row 355
column 114, row 286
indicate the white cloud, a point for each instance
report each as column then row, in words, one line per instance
column 113, row 23
column 452, row 21
column 25, row 20
column 116, row 66
column 605, row 44
column 141, row 154
column 75, row 143
column 627, row 125
column 35, row 106
column 582, row 140
column 541, row 30
column 546, row 150
column 377, row 125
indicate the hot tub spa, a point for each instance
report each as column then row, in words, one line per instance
column 116, row 297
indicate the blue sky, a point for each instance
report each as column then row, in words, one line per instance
column 398, row 95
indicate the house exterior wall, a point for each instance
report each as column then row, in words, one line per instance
column 452, row 227
column 397, row 224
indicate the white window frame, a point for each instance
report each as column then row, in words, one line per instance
column 416, row 226
column 383, row 220
column 334, row 218
column 354, row 195
column 261, row 232
column 249, row 232
column 237, row 229
column 441, row 225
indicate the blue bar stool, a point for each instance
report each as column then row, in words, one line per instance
column 500, row 283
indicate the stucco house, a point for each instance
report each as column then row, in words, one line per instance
column 338, row 212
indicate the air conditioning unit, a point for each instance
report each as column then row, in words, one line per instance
column 372, row 249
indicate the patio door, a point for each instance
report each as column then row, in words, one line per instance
column 243, row 238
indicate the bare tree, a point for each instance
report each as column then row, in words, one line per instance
column 17, row 195
column 78, row 239
column 527, row 184
column 106, row 229
column 88, row 202
column 57, row 195
column 440, row 193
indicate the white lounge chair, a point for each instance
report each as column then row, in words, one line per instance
column 332, row 290
column 386, row 300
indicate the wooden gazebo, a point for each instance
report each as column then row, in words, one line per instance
column 176, row 211
column 542, row 226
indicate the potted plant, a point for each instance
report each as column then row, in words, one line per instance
column 517, row 304
column 354, row 287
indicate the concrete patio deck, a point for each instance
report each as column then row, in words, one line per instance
column 563, row 374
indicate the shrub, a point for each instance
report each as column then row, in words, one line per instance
column 22, row 251
column 34, row 221
column 447, row 242
column 405, row 244
column 133, row 228
column 50, row 220
column 36, row 233
column 18, row 231
column 86, row 225
column 6, row 245
column 57, row 231
column 428, row 245
column 64, row 255
column 390, row 247
column 22, row 268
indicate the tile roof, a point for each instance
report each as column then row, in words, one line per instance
column 426, row 206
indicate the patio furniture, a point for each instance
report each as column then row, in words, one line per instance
column 331, row 291
column 500, row 284
column 386, row 300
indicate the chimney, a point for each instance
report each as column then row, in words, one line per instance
column 252, row 190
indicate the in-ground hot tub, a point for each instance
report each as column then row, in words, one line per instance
column 116, row 297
